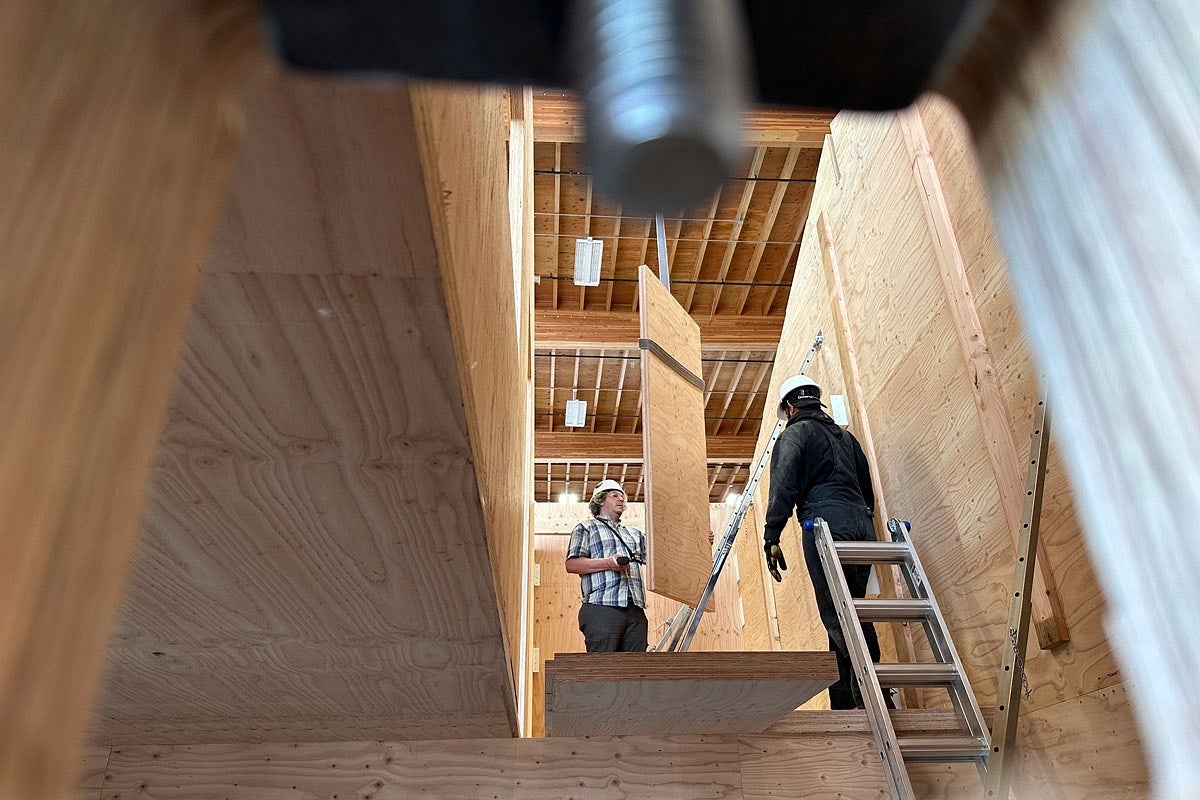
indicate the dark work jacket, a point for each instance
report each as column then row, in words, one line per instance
column 819, row 469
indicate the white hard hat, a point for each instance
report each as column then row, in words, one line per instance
column 607, row 485
column 790, row 385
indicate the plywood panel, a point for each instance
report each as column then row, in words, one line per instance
column 664, row 693
column 316, row 563
column 678, row 768
column 462, row 132
column 822, row 767
column 934, row 464
column 92, row 767
column 679, row 561
column 1084, row 747
column 118, row 129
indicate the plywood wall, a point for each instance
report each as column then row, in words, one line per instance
column 935, row 442
column 333, row 539
column 462, row 132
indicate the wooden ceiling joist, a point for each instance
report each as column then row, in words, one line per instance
column 558, row 117
column 626, row 448
column 619, row 330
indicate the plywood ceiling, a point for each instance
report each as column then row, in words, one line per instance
column 731, row 263
column 314, row 565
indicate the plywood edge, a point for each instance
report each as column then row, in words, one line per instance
column 452, row 125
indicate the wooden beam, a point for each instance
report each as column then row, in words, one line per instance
column 626, row 448
column 559, row 118
column 740, row 223
column 118, row 129
column 1049, row 618
column 789, row 166
column 619, row 330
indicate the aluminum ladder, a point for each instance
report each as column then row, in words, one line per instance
column 682, row 627
column 973, row 744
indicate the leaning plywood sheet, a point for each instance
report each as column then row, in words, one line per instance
column 676, row 471
column 664, row 693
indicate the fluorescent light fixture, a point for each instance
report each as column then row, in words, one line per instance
column 733, row 497
column 588, row 253
column 839, row 410
column 568, row 497
column 576, row 413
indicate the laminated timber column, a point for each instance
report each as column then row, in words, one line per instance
column 1106, row 266
column 118, row 127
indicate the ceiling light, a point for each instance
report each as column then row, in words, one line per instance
column 588, row 253
column 576, row 413
column 733, row 497
column 568, row 497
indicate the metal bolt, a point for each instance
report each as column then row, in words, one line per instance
column 665, row 83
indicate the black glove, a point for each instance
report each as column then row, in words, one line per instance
column 775, row 560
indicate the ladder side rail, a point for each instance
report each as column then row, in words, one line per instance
column 673, row 625
column 965, row 704
column 1008, row 693
column 872, row 692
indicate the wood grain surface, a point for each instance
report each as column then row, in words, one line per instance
column 679, row 560
column 118, row 128
column 315, row 564
column 461, row 133
column 666, row 693
column 933, row 459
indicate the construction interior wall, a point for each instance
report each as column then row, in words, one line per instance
column 900, row 268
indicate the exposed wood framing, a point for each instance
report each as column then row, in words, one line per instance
column 740, row 221
column 626, row 448
column 558, row 118
column 619, row 329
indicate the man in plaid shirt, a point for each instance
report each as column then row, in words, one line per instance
column 612, row 617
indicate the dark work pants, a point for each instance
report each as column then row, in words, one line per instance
column 843, row 694
column 613, row 629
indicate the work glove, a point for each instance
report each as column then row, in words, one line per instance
column 775, row 560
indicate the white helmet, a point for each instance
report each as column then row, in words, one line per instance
column 607, row 485
column 790, row 385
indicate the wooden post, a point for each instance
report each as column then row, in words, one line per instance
column 118, row 128
column 1050, row 620
column 1085, row 113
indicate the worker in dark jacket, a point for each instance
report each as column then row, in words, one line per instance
column 820, row 470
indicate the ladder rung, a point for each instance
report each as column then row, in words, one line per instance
column 880, row 609
column 916, row 674
column 942, row 748
column 872, row 552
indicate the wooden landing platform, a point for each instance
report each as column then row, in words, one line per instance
column 590, row 694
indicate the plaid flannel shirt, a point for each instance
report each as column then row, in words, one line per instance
column 598, row 538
